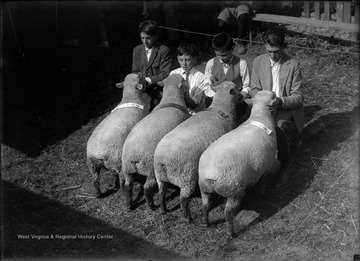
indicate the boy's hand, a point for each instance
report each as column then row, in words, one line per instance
column 275, row 104
column 196, row 94
column 213, row 79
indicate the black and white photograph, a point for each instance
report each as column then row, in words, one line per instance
column 180, row 130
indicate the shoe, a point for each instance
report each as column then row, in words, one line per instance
column 311, row 132
column 284, row 178
column 318, row 128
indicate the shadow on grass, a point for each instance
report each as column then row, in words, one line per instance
column 30, row 215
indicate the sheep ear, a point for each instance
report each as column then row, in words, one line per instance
column 182, row 84
column 241, row 97
column 139, row 86
column 161, row 83
column 120, row 85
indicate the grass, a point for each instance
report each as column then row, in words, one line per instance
column 315, row 218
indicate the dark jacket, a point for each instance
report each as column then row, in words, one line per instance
column 158, row 67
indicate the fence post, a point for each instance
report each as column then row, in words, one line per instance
column 307, row 9
column 347, row 12
column 327, row 14
column 317, row 9
column 355, row 36
column 339, row 11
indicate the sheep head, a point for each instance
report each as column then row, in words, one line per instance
column 226, row 93
column 133, row 81
column 173, row 80
column 264, row 97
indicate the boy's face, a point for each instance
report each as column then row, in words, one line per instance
column 186, row 62
column 274, row 52
column 224, row 55
column 147, row 40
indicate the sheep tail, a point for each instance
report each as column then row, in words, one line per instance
column 130, row 167
column 161, row 172
column 207, row 185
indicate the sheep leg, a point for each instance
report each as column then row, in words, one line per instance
column 205, row 207
column 121, row 181
column 162, row 193
column 128, row 187
column 95, row 172
column 230, row 211
column 149, row 187
column 184, row 203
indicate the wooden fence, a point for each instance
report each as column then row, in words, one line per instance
column 342, row 15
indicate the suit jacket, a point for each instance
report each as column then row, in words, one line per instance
column 290, row 83
column 158, row 67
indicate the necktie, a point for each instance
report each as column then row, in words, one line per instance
column 187, row 80
column 147, row 54
column 226, row 65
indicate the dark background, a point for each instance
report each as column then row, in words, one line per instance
column 50, row 89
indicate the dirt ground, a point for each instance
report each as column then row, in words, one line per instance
column 54, row 97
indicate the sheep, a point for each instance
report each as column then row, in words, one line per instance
column 177, row 155
column 139, row 146
column 104, row 147
column 239, row 159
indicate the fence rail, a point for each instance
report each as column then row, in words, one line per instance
column 342, row 15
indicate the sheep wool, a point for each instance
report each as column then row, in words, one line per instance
column 239, row 159
column 139, row 146
column 177, row 155
column 104, row 147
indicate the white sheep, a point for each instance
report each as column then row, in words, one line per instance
column 239, row 159
column 177, row 155
column 139, row 146
column 104, row 147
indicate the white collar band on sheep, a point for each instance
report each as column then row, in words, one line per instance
column 128, row 105
column 220, row 113
column 262, row 126
column 171, row 105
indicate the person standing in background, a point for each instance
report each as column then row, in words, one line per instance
column 151, row 59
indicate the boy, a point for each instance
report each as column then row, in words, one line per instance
column 226, row 66
column 195, row 91
column 151, row 59
column 278, row 72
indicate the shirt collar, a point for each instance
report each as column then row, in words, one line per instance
column 226, row 65
column 272, row 63
column 184, row 72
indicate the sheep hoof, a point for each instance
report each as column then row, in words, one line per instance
column 97, row 194
column 129, row 206
column 152, row 207
column 187, row 219
column 204, row 225
column 231, row 235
